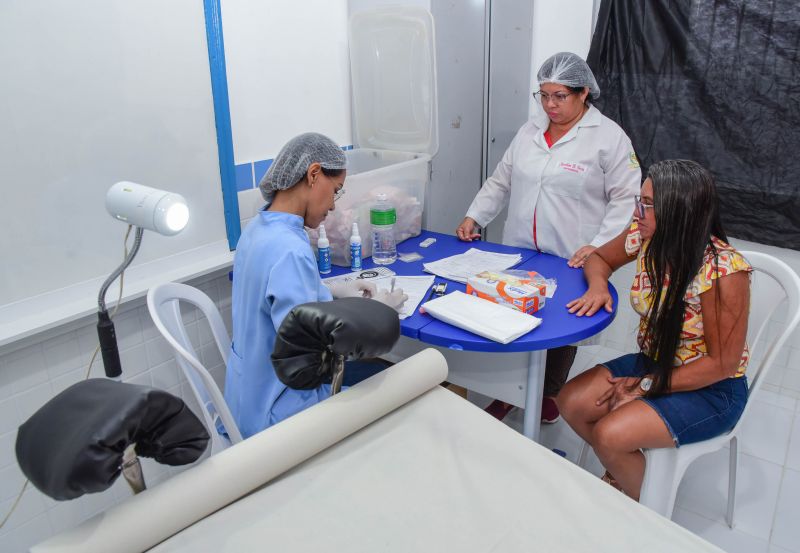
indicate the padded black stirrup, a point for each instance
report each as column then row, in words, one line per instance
column 74, row 444
column 310, row 333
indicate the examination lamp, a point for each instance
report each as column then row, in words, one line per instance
column 144, row 208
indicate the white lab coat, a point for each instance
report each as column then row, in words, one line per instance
column 581, row 189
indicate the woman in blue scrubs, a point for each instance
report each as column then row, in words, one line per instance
column 274, row 270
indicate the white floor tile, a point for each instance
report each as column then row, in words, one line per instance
column 766, row 440
column 786, row 531
column 775, row 549
column 704, row 489
column 607, row 354
column 732, row 541
column 793, row 456
column 774, row 397
column 790, row 380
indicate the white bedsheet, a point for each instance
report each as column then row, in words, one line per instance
column 436, row 475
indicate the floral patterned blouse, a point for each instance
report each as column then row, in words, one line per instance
column 691, row 345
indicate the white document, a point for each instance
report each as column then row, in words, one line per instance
column 462, row 266
column 415, row 287
column 481, row 317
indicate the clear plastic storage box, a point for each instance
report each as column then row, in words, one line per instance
column 395, row 129
column 402, row 176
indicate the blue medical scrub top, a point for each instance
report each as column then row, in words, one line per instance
column 273, row 271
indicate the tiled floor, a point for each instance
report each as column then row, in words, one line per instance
column 768, row 483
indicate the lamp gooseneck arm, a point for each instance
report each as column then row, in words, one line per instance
column 106, row 334
column 101, row 298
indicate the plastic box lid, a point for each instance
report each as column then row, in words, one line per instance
column 393, row 77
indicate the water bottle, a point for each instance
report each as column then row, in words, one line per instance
column 323, row 252
column 382, row 215
column 355, row 249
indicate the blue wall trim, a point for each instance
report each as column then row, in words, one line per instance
column 222, row 118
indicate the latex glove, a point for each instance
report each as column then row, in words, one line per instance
column 352, row 289
column 395, row 299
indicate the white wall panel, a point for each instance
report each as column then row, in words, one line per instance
column 288, row 73
column 94, row 93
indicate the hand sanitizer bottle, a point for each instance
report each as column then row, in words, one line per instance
column 323, row 252
column 355, row 249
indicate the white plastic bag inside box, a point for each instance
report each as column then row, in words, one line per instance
column 402, row 176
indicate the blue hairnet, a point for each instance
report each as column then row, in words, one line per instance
column 294, row 159
column 568, row 69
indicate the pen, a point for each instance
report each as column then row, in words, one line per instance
column 392, row 288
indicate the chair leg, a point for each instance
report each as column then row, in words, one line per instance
column 662, row 474
column 734, row 464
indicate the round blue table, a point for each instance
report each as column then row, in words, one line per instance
column 558, row 328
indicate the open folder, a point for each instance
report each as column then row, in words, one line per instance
column 482, row 317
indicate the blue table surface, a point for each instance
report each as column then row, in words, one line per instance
column 558, row 328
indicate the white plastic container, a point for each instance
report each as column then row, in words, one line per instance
column 395, row 129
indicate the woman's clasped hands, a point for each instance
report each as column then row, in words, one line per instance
column 622, row 390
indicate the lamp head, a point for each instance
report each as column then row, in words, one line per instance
column 148, row 208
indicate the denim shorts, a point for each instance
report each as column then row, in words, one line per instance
column 690, row 416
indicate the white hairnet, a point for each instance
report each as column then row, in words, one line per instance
column 568, row 69
column 294, row 159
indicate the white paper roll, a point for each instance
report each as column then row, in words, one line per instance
column 158, row 513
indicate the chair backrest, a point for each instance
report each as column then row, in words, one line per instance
column 163, row 302
column 774, row 283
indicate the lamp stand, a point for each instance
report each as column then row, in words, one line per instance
column 105, row 326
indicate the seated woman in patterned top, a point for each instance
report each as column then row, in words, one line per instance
column 689, row 377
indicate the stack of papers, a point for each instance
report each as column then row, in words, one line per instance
column 481, row 317
column 473, row 261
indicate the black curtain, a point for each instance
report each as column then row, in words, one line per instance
column 717, row 82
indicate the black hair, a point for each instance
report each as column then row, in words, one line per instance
column 330, row 173
column 687, row 216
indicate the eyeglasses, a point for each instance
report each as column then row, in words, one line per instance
column 338, row 194
column 558, row 97
column 640, row 207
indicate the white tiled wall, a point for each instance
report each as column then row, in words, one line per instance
column 32, row 374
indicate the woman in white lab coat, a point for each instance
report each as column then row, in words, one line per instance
column 569, row 178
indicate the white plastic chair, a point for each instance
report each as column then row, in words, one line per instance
column 163, row 302
column 773, row 283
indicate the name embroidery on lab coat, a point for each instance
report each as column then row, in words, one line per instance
column 572, row 167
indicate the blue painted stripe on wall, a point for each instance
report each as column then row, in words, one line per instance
column 222, row 119
column 244, row 177
column 260, row 167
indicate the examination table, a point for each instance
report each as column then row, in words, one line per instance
column 395, row 463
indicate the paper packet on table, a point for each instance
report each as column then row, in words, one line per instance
column 521, row 290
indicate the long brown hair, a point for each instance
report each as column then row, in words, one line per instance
column 687, row 216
